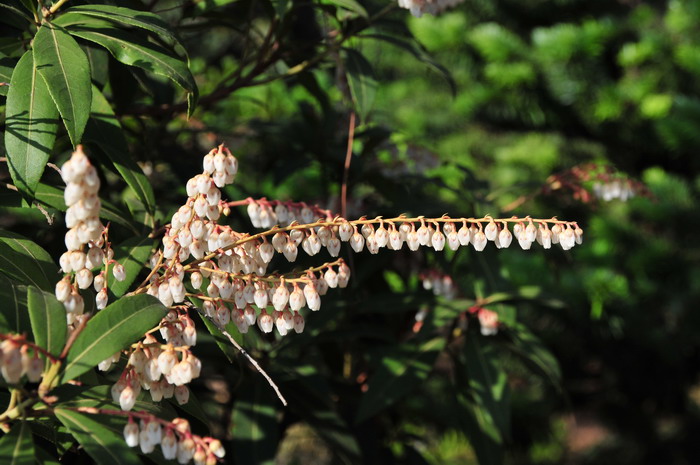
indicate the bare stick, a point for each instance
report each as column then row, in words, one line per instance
column 250, row 359
column 346, row 167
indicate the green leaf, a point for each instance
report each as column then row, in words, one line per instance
column 350, row 5
column 134, row 50
column 105, row 445
column 531, row 350
column 7, row 65
column 17, row 446
column 110, row 330
column 400, row 370
column 133, row 253
column 53, row 197
column 25, row 261
column 14, row 316
column 221, row 341
column 141, row 19
column 255, row 430
column 66, row 70
column 48, row 318
column 104, row 130
column 17, row 11
column 363, row 85
column 99, row 67
column 488, row 383
column 483, row 435
column 30, row 126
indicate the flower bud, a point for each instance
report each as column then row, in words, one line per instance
column 265, row 322
column 34, row 368
column 280, row 297
column 296, row 298
column 166, row 361
column 331, row 278
column 343, row 275
column 169, row 445
column 131, row 433
column 119, row 272
column 479, row 241
column 63, row 289
column 182, row 394
column 101, row 299
column 127, row 398
column 313, row 300
column 290, row 251
column 357, row 242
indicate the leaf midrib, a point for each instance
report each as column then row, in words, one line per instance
column 63, row 73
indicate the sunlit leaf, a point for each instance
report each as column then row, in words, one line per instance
column 17, row 446
column 25, row 261
column 31, row 122
column 66, row 71
column 110, row 330
column 48, row 318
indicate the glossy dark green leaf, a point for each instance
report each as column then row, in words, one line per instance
column 141, row 19
column 350, row 5
column 135, row 50
column 483, row 435
column 26, row 262
column 254, row 420
column 7, row 65
column 489, row 385
column 363, row 85
column 105, row 131
column 16, row 11
column 31, row 122
column 105, row 445
column 110, row 330
column 398, row 371
column 133, row 254
column 99, row 66
column 17, row 446
column 48, row 318
column 66, row 71
column 14, row 316
column 531, row 350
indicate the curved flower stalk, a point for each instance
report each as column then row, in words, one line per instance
column 86, row 239
column 202, row 263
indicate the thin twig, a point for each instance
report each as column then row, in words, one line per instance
column 74, row 335
column 250, row 359
column 346, row 167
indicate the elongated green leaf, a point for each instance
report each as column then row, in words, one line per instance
column 25, row 261
column 399, row 370
column 105, row 445
column 66, row 70
column 7, row 65
column 53, row 197
column 363, row 85
column 489, row 384
column 527, row 346
column 132, row 254
column 16, row 11
column 105, row 131
column 134, row 50
column 482, row 433
column 350, row 5
column 17, row 446
column 112, row 329
column 14, row 316
column 141, row 19
column 99, row 66
column 48, row 317
column 30, row 126
column 255, row 428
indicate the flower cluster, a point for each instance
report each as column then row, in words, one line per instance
column 419, row 7
column 287, row 295
column 18, row 358
column 174, row 437
column 622, row 189
column 265, row 213
column 85, row 229
column 162, row 369
column 488, row 320
column 440, row 283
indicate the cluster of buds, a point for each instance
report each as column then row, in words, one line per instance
column 286, row 295
column 434, row 7
column 440, row 283
column 174, row 437
column 265, row 213
column 488, row 320
column 607, row 183
column 18, row 358
column 162, row 369
column 87, row 248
